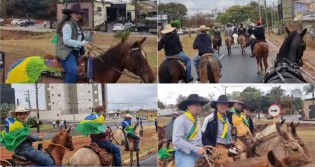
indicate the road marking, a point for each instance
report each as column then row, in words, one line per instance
column 222, row 55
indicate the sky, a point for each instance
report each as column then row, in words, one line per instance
column 168, row 93
column 206, row 6
column 143, row 94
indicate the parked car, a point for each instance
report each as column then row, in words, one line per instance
column 27, row 22
column 16, row 21
column 118, row 27
column 180, row 31
column 1, row 22
column 128, row 26
column 139, row 27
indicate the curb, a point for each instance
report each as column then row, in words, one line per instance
column 126, row 162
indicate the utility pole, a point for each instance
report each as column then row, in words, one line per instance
column 266, row 16
column 28, row 99
column 92, row 13
column 37, row 110
column 136, row 12
column 259, row 106
column 259, row 10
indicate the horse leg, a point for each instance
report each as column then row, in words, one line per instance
column 131, row 158
column 137, row 154
column 257, row 59
column 265, row 59
column 160, row 145
column 168, row 144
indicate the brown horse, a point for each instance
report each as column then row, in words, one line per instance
column 229, row 41
column 110, row 65
column 216, row 44
column 57, row 149
column 242, row 40
column 162, row 138
column 261, row 52
column 172, row 70
column 209, row 69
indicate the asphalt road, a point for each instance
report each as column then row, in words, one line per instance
column 238, row 68
column 149, row 161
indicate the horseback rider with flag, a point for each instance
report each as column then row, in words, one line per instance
column 127, row 126
column 187, row 132
column 16, row 137
column 94, row 125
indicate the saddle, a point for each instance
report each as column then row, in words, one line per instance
column 56, row 64
column 105, row 157
column 176, row 57
column 284, row 70
column 21, row 160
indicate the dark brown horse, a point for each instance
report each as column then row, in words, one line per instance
column 229, row 41
column 61, row 142
column 172, row 70
column 242, row 40
column 110, row 65
column 289, row 60
column 216, row 43
column 261, row 52
column 209, row 69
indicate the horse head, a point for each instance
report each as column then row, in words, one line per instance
column 137, row 62
column 290, row 161
column 293, row 46
column 64, row 138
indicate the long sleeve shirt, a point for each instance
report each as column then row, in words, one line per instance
column 66, row 36
column 182, row 126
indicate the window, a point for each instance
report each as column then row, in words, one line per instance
column 59, row 87
column 53, row 102
column 99, row 9
column 89, row 99
column 59, row 95
column 89, row 91
column 95, row 92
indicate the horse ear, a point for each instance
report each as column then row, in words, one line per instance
column 303, row 32
column 142, row 40
column 291, row 124
column 282, row 121
column 281, row 132
column 69, row 129
column 287, row 30
column 271, row 158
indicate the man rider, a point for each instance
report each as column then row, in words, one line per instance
column 241, row 31
column 217, row 33
column 126, row 125
column 259, row 33
column 229, row 31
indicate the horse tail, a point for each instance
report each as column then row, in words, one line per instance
column 205, row 72
column 164, row 74
column 210, row 72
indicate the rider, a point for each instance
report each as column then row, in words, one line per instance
column 259, row 33
column 217, row 34
column 187, row 132
column 217, row 127
column 94, row 125
column 241, row 31
column 240, row 120
column 172, row 47
column 126, row 125
column 229, row 31
column 71, row 41
column 16, row 136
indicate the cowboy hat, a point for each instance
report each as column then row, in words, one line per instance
column 203, row 28
column 74, row 8
column 18, row 109
column 128, row 116
column 221, row 99
column 192, row 99
column 167, row 29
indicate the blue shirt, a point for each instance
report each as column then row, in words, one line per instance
column 125, row 124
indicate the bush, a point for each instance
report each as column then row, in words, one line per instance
column 32, row 122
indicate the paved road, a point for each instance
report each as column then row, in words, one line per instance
column 149, row 161
column 238, row 68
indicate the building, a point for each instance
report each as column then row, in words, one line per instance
column 67, row 99
column 7, row 96
column 167, row 112
column 309, row 108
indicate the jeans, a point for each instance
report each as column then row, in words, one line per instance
column 71, row 67
column 36, row 156
column 137, row 139
column 198, row 58
column 252, row 44
column 112, row 148
column 187, row 61
column 184, row 160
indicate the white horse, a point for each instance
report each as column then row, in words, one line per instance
column 235, row 37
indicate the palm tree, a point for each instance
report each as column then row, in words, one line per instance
column 276, row 93
column 310, row 88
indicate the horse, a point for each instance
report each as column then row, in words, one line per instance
column 235, row 37
column 61, row 142
column 216, row 44
column 261, row 52
column 109, row 66
column 228, row 41
column 162, row 137
column 286, row 68
column 172, row 70
column 122, row 140
column 209, row 69
column 242, row 40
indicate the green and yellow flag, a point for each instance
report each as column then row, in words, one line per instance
column 92, row 124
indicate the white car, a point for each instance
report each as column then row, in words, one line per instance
column 17, row 21
column 1, row 21
column 118, row 27
column 180, row 31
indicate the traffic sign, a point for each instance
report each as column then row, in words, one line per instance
column 274, row 110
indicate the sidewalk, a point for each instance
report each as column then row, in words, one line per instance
column 308, row 58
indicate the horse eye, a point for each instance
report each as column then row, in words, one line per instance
column 295, row 149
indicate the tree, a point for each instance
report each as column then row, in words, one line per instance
column 3, row 8
column 310, row 88
column 180, row 98
column 161, row 105
column 173, row 10
column 28, row 8
column 296, row 92
column 276, row 93
column 251, row 97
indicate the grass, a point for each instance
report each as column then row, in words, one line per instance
column 44, row 127
column 18, row 45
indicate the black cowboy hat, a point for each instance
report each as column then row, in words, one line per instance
column 74, row 8
column 221, row 99
column 192, row 99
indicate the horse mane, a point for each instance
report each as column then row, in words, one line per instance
column 54, row 140
column 285, row 47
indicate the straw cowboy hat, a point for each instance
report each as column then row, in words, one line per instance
column 203, row 28
column 128, row 116
column 221, row 99
column 167, row 29
column 75, row 8
column 192, row 99
column 18, row 109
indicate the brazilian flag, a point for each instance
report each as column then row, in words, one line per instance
column 92, row 124
column 14, row 133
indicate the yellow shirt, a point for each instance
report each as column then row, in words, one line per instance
column 242, row 129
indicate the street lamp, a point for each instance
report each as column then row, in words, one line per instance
column 2, row 62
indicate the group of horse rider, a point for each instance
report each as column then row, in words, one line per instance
column 16, row 135
column 189, row 136
column 172, row 46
